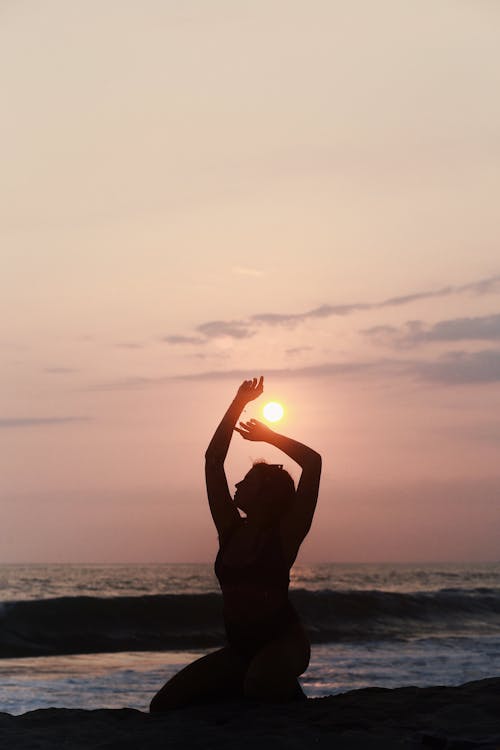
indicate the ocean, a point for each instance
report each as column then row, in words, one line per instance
column 108, row 636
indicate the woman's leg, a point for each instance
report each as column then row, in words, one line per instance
column 214, row 676
column 273, row 671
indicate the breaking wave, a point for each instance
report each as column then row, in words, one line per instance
column 85, row 624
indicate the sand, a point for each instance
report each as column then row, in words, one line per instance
column 444, row 718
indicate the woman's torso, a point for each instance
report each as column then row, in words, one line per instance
column 253, row 573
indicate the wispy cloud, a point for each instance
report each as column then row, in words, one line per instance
column 452, row 368
column 320, row 370
column 324, row 311
column 234, row 329
column 462, row 368
column 213, row 329
column 326, row 369
column 241, row 329
column 483, row 286
column 294, row 350
column 414, row 332
column 449, row 369
column 38, row 421
column 488, row 285
column 417, row 297
column 175, row 339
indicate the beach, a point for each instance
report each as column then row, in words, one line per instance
column 447, row 718
column 402, row 656
column 108, row 636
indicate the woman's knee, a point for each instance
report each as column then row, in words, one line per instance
column 168, row 698
column 210, row 677
column 156, row 706
column 159, row 704
column 273, row 672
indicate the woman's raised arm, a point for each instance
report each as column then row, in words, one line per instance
column 297, row 522
column 223, row 509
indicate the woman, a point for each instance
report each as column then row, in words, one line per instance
column 267, row 647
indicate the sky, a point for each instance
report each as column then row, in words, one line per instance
column 196, row 193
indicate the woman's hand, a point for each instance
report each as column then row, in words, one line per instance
column 250, row 390
column 255, row 430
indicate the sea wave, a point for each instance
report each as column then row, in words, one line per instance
column 87, row 624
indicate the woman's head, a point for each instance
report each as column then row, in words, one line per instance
column 266, row 493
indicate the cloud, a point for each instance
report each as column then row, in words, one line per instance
column 234, row 329
column 485, row 328
column 483, row 286
column 455, row 368
column 240, row 329
column 174, row 339
column 38, row 421
column 320, row 370
column 414, row 332
column 325, row 369
column 406, row 299
column 297, row 350
column 462, row 368
column 383, row 334
column 324, row 311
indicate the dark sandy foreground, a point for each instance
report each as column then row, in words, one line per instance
column 455, row 718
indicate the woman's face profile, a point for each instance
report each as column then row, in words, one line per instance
column 247, row 490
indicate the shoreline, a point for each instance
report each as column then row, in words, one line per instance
column 451, row 718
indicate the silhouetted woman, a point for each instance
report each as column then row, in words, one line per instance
column 267, row 648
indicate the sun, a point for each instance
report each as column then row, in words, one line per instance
column 273, row 411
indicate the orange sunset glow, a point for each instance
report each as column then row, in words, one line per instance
column 192, row 196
